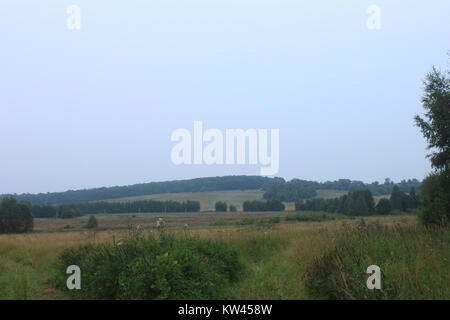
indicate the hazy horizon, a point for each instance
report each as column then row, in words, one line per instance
column 96, row 187
column 96, row 107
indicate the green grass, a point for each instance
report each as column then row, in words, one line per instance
column 207, row 199
column 413, row 262
column 231, row 197
column 310, row 257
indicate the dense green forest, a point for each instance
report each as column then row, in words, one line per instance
column 77, row 209
column 302, row 189
column 361, row 203
column 276, row 188
column 176, row 186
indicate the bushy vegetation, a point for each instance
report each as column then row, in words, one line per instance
column 383, row 207
column 361, row 203
column 138, row 206
column 435, row 210
column 403, row 202
column 68, row 211
column 301, row 189
column 150, row 267
column 221, row 206
column 312, row 216
column 78, row 209
column 413, row 263
column 44, row 211
column 357, row 203
column 91, row 223
column 269, row 205
column 15, row 217
column 291, row 191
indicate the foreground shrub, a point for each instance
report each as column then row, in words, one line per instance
column 413, row 263
column 164, row 267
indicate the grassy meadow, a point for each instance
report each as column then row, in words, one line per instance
column 231, row 197
column 283, row 258
column 207, row 199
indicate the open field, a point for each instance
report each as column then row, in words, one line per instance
column 148, row 220
column 231, row 197
column 207, row 199
column 278, row 256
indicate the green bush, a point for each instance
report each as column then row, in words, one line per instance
column 413, row 263
column 314, row 216
column 141, row 267
column 92, row 223
column 274, row 220
column 246, row 221
column 220, row 223
column 232, row 208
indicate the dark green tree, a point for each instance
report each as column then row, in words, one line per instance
column 383, row 206
column 221, row 206
column 399, row 200
column 413, row 198
column 15, row 217
column 232, row 208
column 436, row 130
column 67, row 211
column 436, row 127
column 357, row 206
column 434, row 199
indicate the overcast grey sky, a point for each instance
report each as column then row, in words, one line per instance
column 96, row 106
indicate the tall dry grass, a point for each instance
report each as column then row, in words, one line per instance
column 278, row 256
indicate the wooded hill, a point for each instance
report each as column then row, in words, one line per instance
column 276, row 188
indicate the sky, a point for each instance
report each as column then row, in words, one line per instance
column 96, row 106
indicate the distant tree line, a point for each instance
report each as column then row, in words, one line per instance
column 222, row 206
column 177, row 186
column 301, row 189
column 291, row 191
column 276, row 188
column 15, row 217
column 74, row 210
column 269, row 205
column 361, row 203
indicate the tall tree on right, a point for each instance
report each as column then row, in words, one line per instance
column 435, row 127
